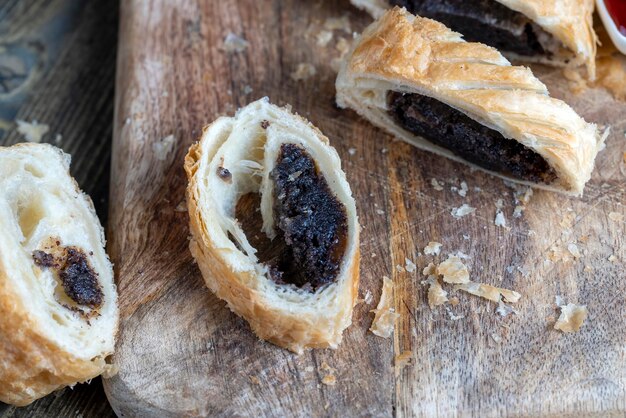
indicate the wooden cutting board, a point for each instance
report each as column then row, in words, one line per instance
column 182, row 352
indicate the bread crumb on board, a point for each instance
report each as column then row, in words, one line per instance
column 572, row 318
column 437, row 185
column 163, row 147
column 303, row 71
column 462, row 210
column 384, row 314
column 436, row 295
column 453, row 270
column 329, row 380
column 433, row 248
column 492, row 293
column 234, row 43
column 32, row 132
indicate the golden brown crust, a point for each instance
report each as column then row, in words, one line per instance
column 404, row 53
column 31, row 365
column 569, row 21
column 271, row 320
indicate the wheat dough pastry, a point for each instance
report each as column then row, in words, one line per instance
column 546, row 31
column 58, row 303
column 423, row 83
column 274, row 225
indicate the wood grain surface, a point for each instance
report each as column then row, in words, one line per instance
column 57, row 66
column 181, row 352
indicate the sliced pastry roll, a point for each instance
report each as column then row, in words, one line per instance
column 274, row 225
column 555, row 32
column 423, row 83
column 58, row 302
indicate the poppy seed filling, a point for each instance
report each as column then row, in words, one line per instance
column 451, row 129
column 79, row 280
column 312, row 222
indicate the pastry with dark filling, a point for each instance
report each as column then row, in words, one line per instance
column 551, row 32
column 423, row 83
column 58, row 301
column 277, row 237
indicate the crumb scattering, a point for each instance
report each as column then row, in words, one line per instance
column 572, row 317
column 504, row 310
column 338, row 23
column 324, row 37
column 303, row 71
column 492, row 293
column 329, row 380
column 436, row 184
column 32, row 132
column 234, row 43
column 384, row 315
column 409, row 265
column 430, row 269
column 500, row 221
column 433, row 248
column 453, row 270
column 436, row 295
column 462, row 210
column 163, row 147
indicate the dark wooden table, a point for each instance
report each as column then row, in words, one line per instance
column 57, row 66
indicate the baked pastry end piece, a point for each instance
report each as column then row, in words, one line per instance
column 274, row 225
column 424, row 84
column 58, row 302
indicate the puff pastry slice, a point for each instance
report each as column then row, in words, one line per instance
column 274, row 225
column 58, row 302
column 423, row 83
column 546, row 31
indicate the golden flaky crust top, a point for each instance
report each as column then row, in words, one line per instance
column 569, row 21
column 405, row 53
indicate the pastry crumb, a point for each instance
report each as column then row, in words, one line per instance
column 504, row 310
column 454, row 301
column 463, row 190
column 452, row 316
column 617, row 217
column 462, row 210
column 572, row 317
column 329, row 380
column 368, row 297
column 163, row 147
column 255, row 380
column 500, row 221
column 182, row 206
column 453, row 270
column 384, row 314
column 573, row 250
column 234, row 43
column 324, row 37
column 492, row 293
column 436, row 184
column 409, row 265
column 433, row 248
column 429, row 269
column 338, row 23
column 303, row 72
column 32, row 132
column 436, row 295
